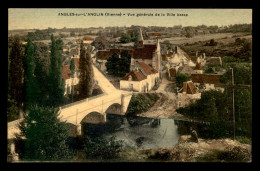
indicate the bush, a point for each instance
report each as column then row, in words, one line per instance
column 139, row 103
column 100, row 148
column 180, row 78
column 243, row 140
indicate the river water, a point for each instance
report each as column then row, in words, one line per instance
column 141, row 132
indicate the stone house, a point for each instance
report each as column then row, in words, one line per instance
column 141, row 79
column 147, row 52
column 187, row 94
column 207, row 81
column 70, row 81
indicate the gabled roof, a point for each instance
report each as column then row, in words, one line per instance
column 145, row 52
column 206, row 78
column 147, row 69
column 186, row 69
column 66, row 72
column 189, row 88
column 136, row 76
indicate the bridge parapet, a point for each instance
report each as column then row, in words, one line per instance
column 82, row 101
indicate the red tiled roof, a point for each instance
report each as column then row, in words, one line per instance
column 136, row 76
column 105, row 54
column 145, row 52
column 76, row 61
column 206, row 78
column 66, row 72
column 189, row 88
column 153, row 34
column 147, row 69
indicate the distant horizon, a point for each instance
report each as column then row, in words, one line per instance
column 44, row 18
column 119, row 26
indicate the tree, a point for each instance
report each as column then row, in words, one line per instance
column 111, row 64
column 86, row 78
column 100, row 43
column 33, row 92
column 57, row 84
column 72, row 67
column 212, row 42
column 46, row 136
column 42, row 70
column 12, row 110
column 119, row 66
column 180, row 78
column 17, row 72
column 125, row 38
column 189, row 32
column 101, row 148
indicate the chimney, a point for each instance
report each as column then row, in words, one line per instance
column 204, row 55
column 196, row 53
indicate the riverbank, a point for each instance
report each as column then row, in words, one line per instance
column 216, row 150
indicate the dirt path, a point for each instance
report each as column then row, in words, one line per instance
column 166, row 105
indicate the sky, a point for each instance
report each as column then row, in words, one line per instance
column 42, row 18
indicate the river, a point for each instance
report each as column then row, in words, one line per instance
column 141, row 132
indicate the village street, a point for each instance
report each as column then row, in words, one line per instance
column 166, row 105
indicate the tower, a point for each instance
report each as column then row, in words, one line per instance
column 140, row 42
column 158, row 55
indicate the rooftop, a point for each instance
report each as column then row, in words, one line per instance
column 147, row 68
column 136, row 76
column 206, row 78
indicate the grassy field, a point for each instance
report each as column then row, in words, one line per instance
column 206, row 37
column 225, row 45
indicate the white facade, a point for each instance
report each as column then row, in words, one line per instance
column 140, row 86
column 69, row 83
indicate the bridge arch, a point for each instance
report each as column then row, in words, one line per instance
column 94, row 118
column 114, row 108
column 93, row 124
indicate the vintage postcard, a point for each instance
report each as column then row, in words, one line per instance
column 129, row 85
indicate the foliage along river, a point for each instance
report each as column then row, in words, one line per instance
column 141, row 132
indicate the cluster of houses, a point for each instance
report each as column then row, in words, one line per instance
column 72, row 52
column 148, row 66
column 179, row 62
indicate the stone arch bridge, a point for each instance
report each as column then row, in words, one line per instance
column 94, row 109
